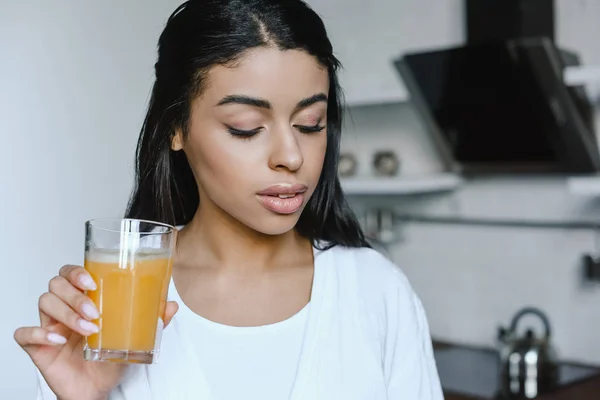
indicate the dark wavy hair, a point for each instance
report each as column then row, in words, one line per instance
column 199, row 35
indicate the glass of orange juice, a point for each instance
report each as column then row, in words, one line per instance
column 130, row 260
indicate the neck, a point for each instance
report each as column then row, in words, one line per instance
column 215, row 238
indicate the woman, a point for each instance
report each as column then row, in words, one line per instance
column 276, row 290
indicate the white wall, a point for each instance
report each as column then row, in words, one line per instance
column 74, row 81
column 578, row 27
column 472, row 279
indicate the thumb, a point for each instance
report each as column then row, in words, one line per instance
column 170, row 311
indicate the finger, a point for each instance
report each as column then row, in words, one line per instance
column 35, row 336
column 170, row 311
column 55, row 308
column 68, row 293
column 78, row 277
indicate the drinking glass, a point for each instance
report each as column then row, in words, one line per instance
column 130, row 260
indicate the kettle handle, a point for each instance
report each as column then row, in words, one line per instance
column 534, row 311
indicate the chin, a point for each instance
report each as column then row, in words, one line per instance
column 274, row 225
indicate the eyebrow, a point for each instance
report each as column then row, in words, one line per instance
column 315, row 98
column 261, row 103
column 246, row 100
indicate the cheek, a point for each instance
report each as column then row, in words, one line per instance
column 219, row 162
column 314, row 154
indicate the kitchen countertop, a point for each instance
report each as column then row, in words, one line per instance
column 586, row 390
column 476, row 379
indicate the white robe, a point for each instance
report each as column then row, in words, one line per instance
column 367, row 338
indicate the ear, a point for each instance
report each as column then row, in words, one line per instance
column 177, row 141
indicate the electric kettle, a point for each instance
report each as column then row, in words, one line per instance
column 527, row 364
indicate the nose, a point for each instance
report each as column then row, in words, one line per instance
column 285, row 151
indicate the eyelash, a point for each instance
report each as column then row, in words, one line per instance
column 242, row 134
column 248, row 134
column 310, row 129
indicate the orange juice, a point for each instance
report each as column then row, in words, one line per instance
column 131, row 299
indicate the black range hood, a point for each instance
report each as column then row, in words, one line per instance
column 502, row 106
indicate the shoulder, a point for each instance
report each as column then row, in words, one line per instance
column 390, row 317
column 379, row 296
column 374, row 287
column 374, row 274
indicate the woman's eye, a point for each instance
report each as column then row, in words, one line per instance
column 310, row 129
column 242, row 133
column 249, row 133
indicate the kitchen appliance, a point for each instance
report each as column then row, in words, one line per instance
column 503, row 107
column 528, row 365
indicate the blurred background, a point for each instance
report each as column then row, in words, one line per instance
column 470, row 154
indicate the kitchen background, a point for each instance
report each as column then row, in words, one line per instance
column 472, row 278
column 74, row 79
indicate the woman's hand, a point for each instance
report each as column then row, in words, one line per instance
column 56, row 346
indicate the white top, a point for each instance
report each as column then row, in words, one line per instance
column 262, row 360
column 366, row 337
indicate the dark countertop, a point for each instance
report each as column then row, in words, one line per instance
column 477, row 377
column 586, row 390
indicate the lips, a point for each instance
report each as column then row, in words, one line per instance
column 277, row 190
column 283, row 199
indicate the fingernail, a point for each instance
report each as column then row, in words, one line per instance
column 90, row 311
column 87, row 282
column 88, row 326
column 56, row 338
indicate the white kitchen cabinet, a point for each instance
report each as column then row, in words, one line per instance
column 368, row 35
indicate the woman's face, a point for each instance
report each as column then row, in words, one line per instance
column 257, row 138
